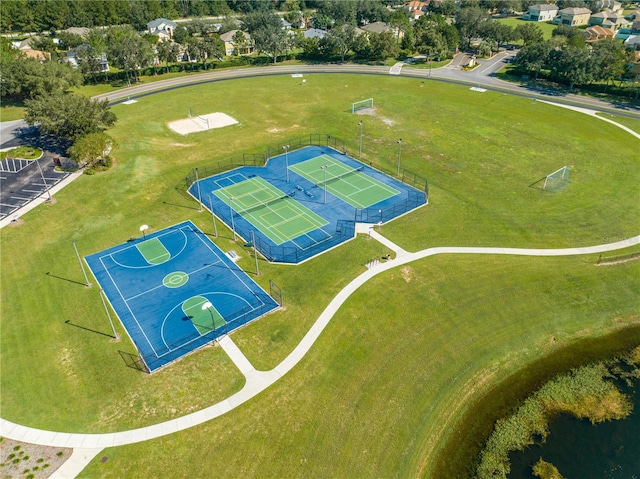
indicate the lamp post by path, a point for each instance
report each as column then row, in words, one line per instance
column 399, row 150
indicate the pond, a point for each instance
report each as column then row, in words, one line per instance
column 578, row 449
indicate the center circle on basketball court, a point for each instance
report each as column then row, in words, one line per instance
column 175, row 279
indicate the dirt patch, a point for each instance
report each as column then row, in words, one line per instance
column 18, row 222
column 407, row 274
column 22, row 460
column 618, row 260
column 372, row 112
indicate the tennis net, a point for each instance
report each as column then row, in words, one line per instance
column 342, row 175
column 266, row 204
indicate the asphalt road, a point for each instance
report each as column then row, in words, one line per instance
column 483, row 75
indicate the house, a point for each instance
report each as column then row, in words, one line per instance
column 285, row 25
column 573, row 17
column 381, row 27
column 101, row 59
column 416, row 5
column 597, row 33
column 37, row 54
column 541, row 12
column 633, row 42
column 230, row 48
column 314, row 33
column 612, row 5
column 162, row 27
column 608, row 19
column 25, row 46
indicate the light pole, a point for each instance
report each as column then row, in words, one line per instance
column 199, row 196
column 360, row 150
column 46, row 186
column 324, row 169
column 213, row 217
column 115, row 335
column 399, row 150
column 86, row 280
column 233, row 226
column 255, row 251
column 207, row 306
column 286, row 160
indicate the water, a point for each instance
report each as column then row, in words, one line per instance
column 609, row 450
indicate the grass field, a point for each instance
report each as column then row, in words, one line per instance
column 404, row 380
column 546, row 27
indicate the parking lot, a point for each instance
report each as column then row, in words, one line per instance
column 21, row 181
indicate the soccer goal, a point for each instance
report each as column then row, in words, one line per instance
column 557, row 180
column 361, row 105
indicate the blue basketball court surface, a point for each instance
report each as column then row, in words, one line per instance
column 175, row 291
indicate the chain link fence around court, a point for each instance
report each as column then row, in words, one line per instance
column 345, row 228
column 276, row 149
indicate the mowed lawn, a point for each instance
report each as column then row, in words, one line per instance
column 546, row 27
column 381, row 392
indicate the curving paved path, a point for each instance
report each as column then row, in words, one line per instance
column 87, row 446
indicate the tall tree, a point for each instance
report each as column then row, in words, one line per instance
column 533, row 57
column 529, row 33
column 24, row 78
column 69, row 115
column 469, row 22
column 128, row 50
column 167, row 52
column 571, row 64
column 267, row 33
column 383, row 45
column 92, row 150
column 341, row 39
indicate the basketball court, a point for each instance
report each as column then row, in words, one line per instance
column 175, row 291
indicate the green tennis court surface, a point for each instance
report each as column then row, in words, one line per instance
column 153, row 251
column 270, row 210
column 347, row 183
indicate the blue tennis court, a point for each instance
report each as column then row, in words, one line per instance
column 303, row 202
column 175, row 291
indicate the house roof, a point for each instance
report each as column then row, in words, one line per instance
column 37, row 54
column 159, row 21
column 376, row 27
column 228, row 37
column 416, row 5
column 599, row 31
column 543, row 7
column 77, row 30
column 632, row 40
column 575, row 11
column 314, row 33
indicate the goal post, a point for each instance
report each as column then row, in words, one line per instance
column 557, row 180
column 361, row 105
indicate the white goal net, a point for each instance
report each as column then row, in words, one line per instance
column 361, row 105
column 557, row 180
